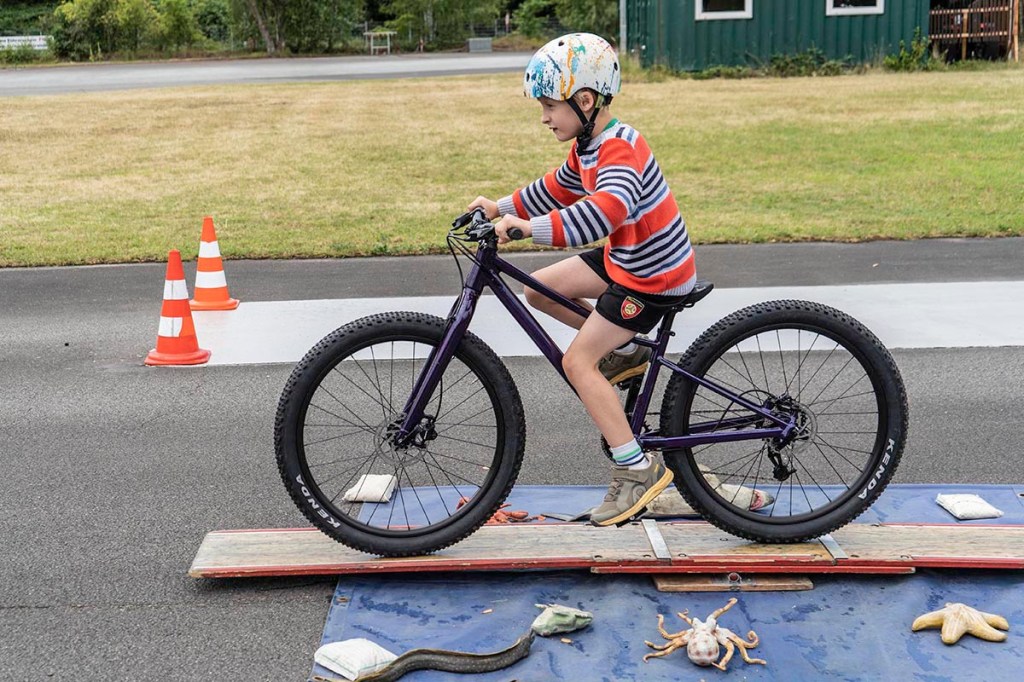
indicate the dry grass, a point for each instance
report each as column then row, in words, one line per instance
column 368, row 167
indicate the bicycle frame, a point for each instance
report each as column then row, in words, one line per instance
column 486, row 272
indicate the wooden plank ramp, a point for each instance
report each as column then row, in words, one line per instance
column 674, row 547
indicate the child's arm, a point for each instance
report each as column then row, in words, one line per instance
column 557, row 189
column 614, row 200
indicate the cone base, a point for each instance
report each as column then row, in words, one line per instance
column 197, row 357
column 229, row 304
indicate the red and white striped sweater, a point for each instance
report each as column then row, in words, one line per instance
column 614, row 190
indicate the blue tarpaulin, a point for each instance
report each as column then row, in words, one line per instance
column 846, row 628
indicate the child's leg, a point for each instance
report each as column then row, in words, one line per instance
column 596, row 339
column 636, row 479
column 573, row 279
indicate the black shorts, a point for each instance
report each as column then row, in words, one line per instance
column 623, row 307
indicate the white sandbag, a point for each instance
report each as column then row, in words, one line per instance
column 371, row 488
column 353, row 658
column 966, row 507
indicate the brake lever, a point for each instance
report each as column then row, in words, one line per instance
column 476, row 215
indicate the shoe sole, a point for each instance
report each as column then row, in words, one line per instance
column 645, row 500
column 629, row 373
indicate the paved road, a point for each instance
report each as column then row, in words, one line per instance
column 96, row 77
column 113, row 472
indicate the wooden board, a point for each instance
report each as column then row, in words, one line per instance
column 731, row 582
column 693, row 547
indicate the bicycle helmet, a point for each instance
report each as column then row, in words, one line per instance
column 572, row 63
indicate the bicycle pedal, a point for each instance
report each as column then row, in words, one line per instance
column 627, row 384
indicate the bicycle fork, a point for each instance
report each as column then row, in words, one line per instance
column 413, row 420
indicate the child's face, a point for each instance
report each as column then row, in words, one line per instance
column 560, row 118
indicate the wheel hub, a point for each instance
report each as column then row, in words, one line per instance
column 413, row 449
column 783, row 451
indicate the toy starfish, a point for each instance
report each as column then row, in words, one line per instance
column 956, row 619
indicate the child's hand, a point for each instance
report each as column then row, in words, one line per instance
column 506, row 223
column 490, row 207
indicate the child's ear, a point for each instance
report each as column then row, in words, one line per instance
column 585, row 99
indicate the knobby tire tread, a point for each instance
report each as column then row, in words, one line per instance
column 490, row 365
column 706, row 347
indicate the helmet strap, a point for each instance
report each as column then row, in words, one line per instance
column 583, row 139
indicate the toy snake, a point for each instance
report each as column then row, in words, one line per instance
column 450, row 661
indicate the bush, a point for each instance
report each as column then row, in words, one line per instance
column 23, row 54
column 533, row 18
column 917, row 58
column 810, row 62
column 725, row 72
column 213, row 18
column 90, row 29
column 177, row 24
column 592, row 16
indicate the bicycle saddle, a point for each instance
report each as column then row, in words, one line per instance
column 701, row 289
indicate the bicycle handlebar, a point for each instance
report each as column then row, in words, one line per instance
column 480, row 228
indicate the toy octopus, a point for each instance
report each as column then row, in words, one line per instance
column 702, row 640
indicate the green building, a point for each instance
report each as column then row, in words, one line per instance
column 691, row 35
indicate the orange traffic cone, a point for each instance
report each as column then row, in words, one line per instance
column 211, row 285
column 176, row 342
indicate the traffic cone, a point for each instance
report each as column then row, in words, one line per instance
column 211, row 285
column 176, row 342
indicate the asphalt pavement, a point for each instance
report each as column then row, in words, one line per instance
column 111, row 76
column 113, row 472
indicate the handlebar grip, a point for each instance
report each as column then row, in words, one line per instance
column 476, row 215
column 515, row 233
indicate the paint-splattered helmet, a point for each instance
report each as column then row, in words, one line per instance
column 571, row 63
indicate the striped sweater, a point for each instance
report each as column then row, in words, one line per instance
column 614, row 190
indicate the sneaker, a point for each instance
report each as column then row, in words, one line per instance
column 617, row 367
column 630, row 492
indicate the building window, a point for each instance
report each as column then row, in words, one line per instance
column 724, row 9
column 845, row 8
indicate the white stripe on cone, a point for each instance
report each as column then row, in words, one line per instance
column 170, row 326
column 209, row 250
column 175, row 290
column 210, row 280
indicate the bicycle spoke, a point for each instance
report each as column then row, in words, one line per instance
column 457, row 459
column 347, row 409
column 365, row 427
column 782, row 360
column 451, row 410
column 325, row 440
column 829, row 462
column 380, row 403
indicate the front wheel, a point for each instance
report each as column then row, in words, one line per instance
column 801, row 361
column 336, row 451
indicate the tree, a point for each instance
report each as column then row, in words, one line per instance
column 593, row 16
column 447, row 22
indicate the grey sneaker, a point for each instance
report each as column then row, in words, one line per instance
column 617, row 367
column 630, row 491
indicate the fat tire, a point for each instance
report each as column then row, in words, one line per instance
column 880, row 367
column 428, row 329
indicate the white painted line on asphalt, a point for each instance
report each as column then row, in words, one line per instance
column 944, row 315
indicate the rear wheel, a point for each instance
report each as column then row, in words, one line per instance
column 335, row 427
column 803, row 361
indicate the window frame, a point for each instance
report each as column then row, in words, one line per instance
column 832, row 11
column 746, row 13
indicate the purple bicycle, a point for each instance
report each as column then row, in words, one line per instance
column 402, row 433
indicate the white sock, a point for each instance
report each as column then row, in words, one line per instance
column 630, row 456
column 626, row 349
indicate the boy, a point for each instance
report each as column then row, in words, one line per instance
column 610, row 186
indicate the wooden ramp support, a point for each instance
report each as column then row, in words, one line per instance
column 662, row 548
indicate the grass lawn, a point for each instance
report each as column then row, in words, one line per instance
column 381, row 167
